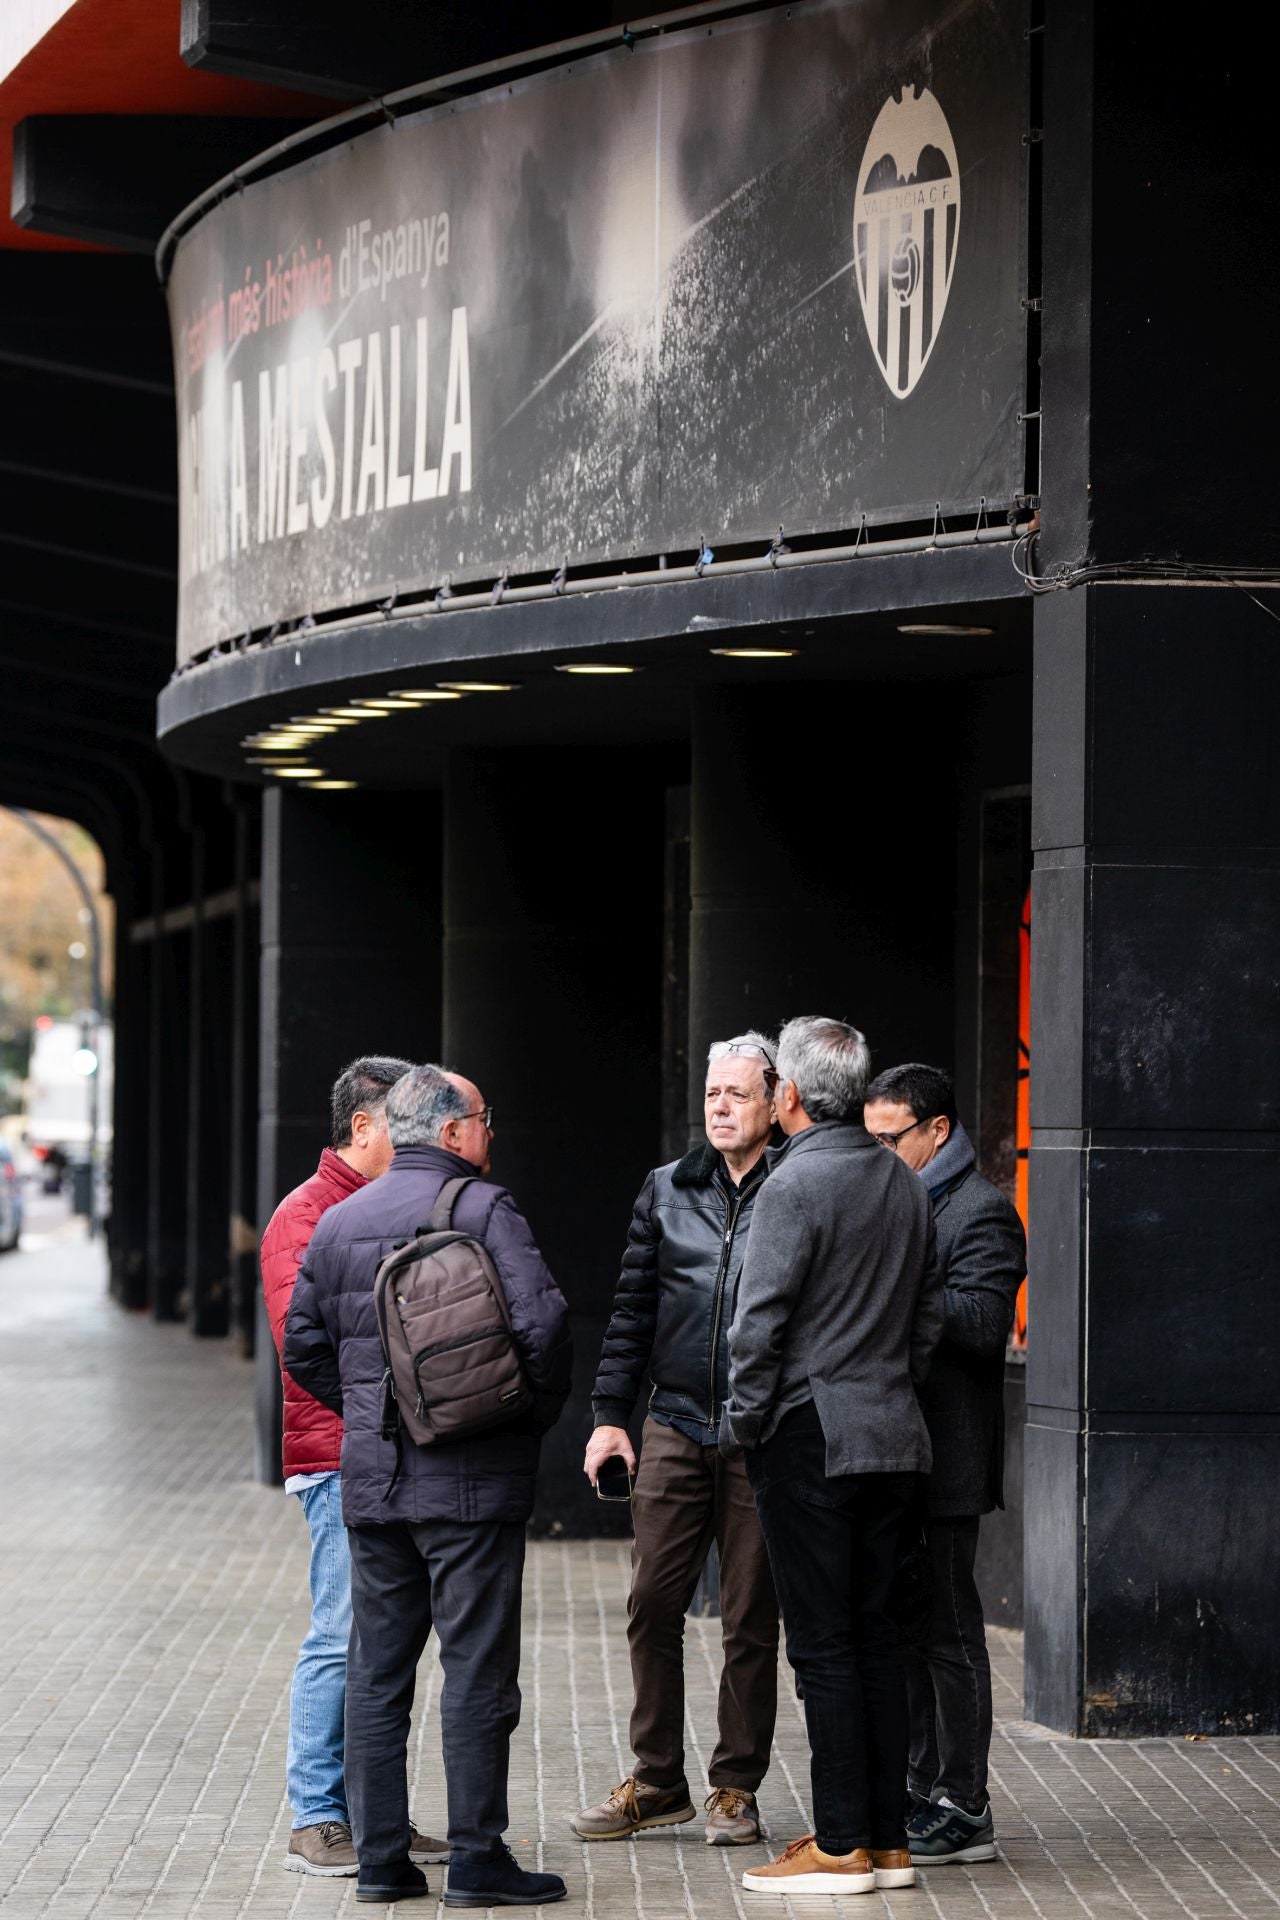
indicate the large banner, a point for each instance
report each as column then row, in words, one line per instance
column 763, row 274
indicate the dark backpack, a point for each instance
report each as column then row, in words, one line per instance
column 453, row 1368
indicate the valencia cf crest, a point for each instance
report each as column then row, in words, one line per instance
column 906, row 227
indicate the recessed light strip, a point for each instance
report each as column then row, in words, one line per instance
column 598, row 667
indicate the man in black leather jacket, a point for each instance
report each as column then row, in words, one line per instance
column 671, row 1318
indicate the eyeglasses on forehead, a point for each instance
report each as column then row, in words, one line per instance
column 742, row 1045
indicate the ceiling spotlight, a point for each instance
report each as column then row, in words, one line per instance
column 478, row 686
column 260, row 760
column 385, row 706
column 298, row 773
column 420, row 694
column 944, row 632
column 316, row 726
column 325, row 720
column 756, row 653
column 329, row 786
column 598, row 667
column 354, row 713
column 283, row 742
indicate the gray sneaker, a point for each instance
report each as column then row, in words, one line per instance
column 424, row 1851
column 939, row 1832
column 733, row 1818
column 325, row 1850
column 631, row 1806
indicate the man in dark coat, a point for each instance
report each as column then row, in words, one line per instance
column 437, row 1534
column 839, row 1309
column 671, row 1318
column 982, row 1252
column 320, row 1842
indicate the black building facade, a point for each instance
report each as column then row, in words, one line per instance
column 713, row 519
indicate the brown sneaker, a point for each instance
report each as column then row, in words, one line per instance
column 804, row 1868
column 892, row 1867
column 630, row 1807
column 733, row 1819
column 325, row 1850
column 424, row 1851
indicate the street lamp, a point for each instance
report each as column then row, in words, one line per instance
column 86, row 1058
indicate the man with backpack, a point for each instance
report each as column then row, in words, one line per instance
column 437, row 1482
column 320, row 1840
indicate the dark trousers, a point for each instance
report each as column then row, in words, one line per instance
column 464, row 1579
column 949, row 1676
column 685, row 1496
column 835, row 1544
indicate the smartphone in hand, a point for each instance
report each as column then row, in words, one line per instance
column 613, row 1480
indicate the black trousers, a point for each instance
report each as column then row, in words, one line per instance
column 949, row 1676
column 835, row 1545
column 463, row 1578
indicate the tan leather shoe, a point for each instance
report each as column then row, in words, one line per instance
column 424, row 1851
column 804, row 1868
column 324, row 1850
column 733, row 1819
column 892, row 1867
column 631, row 1806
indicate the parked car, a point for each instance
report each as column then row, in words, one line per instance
column 10, row 1200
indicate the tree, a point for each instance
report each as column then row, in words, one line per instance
column 39, row 926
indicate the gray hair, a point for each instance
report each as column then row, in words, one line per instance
column 420, row 1106
column 829, row 1062
column 751, row 1045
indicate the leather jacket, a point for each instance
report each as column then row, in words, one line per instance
column 676, row 1292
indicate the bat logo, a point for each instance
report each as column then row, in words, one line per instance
column 906, row 223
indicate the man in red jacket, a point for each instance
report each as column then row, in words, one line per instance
column 321, row 1839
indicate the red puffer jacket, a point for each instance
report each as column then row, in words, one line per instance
column 312, row 1435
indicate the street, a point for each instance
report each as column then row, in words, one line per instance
column 153, row 1597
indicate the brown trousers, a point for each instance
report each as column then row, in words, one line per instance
column 685, row 1496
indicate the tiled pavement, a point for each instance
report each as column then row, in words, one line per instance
column 152, row 1598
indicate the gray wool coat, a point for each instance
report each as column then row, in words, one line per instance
column 840, row 1302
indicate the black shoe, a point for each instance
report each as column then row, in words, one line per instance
column 497, row 1880
column 398, row 1881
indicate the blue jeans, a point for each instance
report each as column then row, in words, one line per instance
column 314, row 1778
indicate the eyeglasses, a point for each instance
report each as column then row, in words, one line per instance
column 743, row 1045
column 483, row 1113
column 891, row 1140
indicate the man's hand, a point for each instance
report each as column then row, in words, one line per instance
column 604, row 1444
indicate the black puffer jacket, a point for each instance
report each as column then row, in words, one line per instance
column 675, row 1296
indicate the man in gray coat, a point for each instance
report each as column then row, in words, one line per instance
column 839, row 1309
column 982, row 1252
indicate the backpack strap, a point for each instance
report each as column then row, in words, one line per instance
column 442, row 1212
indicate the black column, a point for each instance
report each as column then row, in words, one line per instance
column 1153, row 1438
column 244, row 969
column 553, row 1006
column 350, row 965
column 168, row 1010
column 808, row 895
column 127, row 1226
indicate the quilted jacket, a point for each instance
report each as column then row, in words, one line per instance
column 332, row 1345
column 312, row 1434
